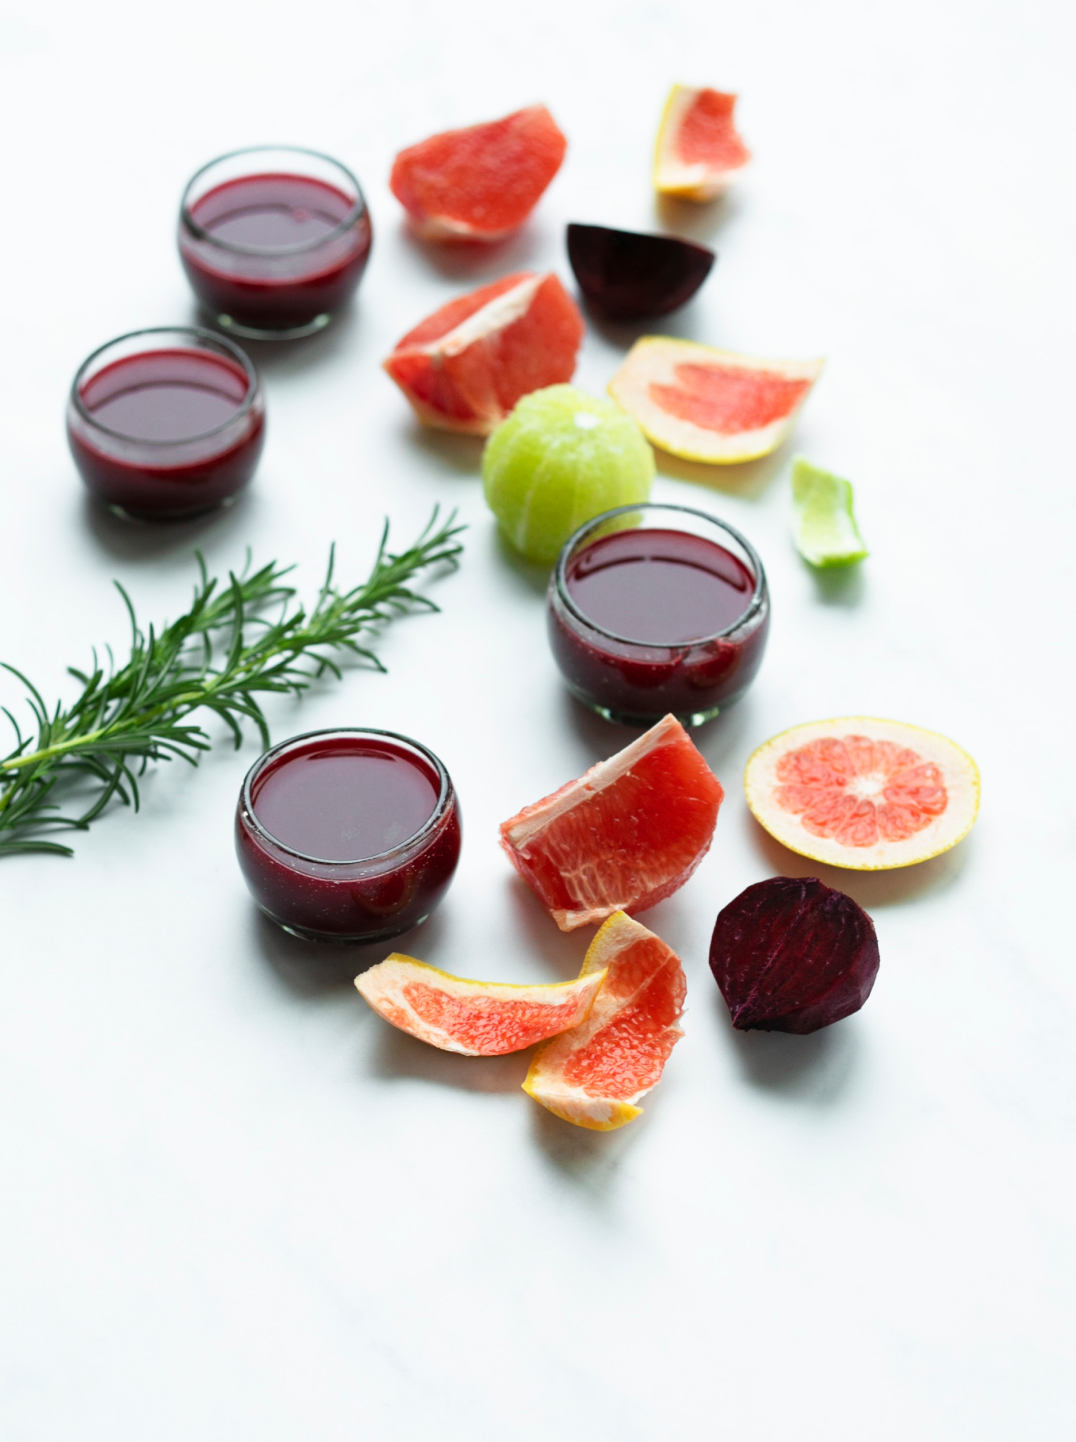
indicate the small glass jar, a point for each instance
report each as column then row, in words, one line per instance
column 274, row 240
column 669, row 571
column 367, row 898
column 166, row 423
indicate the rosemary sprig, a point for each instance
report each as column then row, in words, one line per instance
column 221, row 655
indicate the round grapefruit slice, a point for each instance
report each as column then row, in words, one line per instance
column 711, row 405
column 861, row 793
column 475, row 1018
column 698, row 153
column 622, row 837
column 465, row 366
column 482, row 182
column 594, row 1074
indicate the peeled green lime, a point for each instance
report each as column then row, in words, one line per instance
column 560, row 458
column 826, row 531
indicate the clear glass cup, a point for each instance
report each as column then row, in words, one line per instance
column 365, row 899
column 166, row 423
column 636, row 680
column 274, row 240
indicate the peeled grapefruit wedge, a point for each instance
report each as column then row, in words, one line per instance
column 711, row 405
column 861, row 793
column 480, row 183
column 622, row 837
column 594, row 1074
column 464, row 367
column 698, row 153
column 475, row 1018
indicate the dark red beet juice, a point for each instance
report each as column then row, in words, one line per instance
column 650, row 619
column 348, row 835
column 274, row 241
column 165, row 424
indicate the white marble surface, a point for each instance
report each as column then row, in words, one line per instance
column 237, row 1206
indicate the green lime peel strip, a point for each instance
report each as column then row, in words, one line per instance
column 826, row 531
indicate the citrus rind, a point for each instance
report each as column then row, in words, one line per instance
column 959, row 772
column 625, row 1040
column 654, row 364
column 474, row 1018
column 700, row 179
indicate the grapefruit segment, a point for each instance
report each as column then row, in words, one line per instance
column 711, row 405
column 698, row 152
column 475, row 1018
column 622, row 837
column 594, row 1074
column 479, row 183
column 862, row 793
column 464, row 367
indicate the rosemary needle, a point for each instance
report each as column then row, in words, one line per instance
column 235, row 643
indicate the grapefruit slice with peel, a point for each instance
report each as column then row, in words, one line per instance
column 711, row 405
column 479, row 183
column 594, row 1074
column 861, row 793
column 464, row 367
column 622, row 837
column 698, row 153
column 475, row 1018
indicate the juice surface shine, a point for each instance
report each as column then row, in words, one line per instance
column 348, row 835
column 271, row 252
column 166, row 433
column 646, row 620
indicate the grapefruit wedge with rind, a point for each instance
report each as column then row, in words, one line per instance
column 479, row 183
column 474, row 1018
column 711, row 405
column 594, row 1074
column 622, row 837
column 465, row 366
column 863, row 793
column 699, row 153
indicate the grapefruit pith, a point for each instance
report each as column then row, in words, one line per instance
column 479, row 183
column 594, row 1074
column 862, row 793
column 623, row 836
column 698, row 152
column 475, row 1018
column 464, row 367
column 711, row 405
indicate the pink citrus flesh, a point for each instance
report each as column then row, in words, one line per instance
column 475, row 1018
column 622, row 837
column 711, row 405
column 863, row 793
column 479, row 183
column 699, row 152
column 594, row 1074
column 465, row 366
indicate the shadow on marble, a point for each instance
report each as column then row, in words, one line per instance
column 590, row 1159
column 748, row 480
column 458, row 454
column 869, row 888
column 695, row 221
column 816, row 1068
column 839, row 585
column 537, row 934
column 127, row 539
column 277, row 358
column 474, row 263
column 314, row 968
column 398, row 1056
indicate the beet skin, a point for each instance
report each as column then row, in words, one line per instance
column 792, row 954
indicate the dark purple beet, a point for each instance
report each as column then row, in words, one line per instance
column 629, row 276
column 793, row 954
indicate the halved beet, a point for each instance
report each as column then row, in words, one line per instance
column 630, row 276
column 791, row 954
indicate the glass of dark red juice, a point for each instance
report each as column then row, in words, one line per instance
column 657, row 608
column 166, row 423
column 349, row 835
column 274, row 240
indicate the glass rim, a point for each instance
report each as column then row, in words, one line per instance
column 236, row 352
column 358, row 208
column 565, row 597
column 444, row 795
